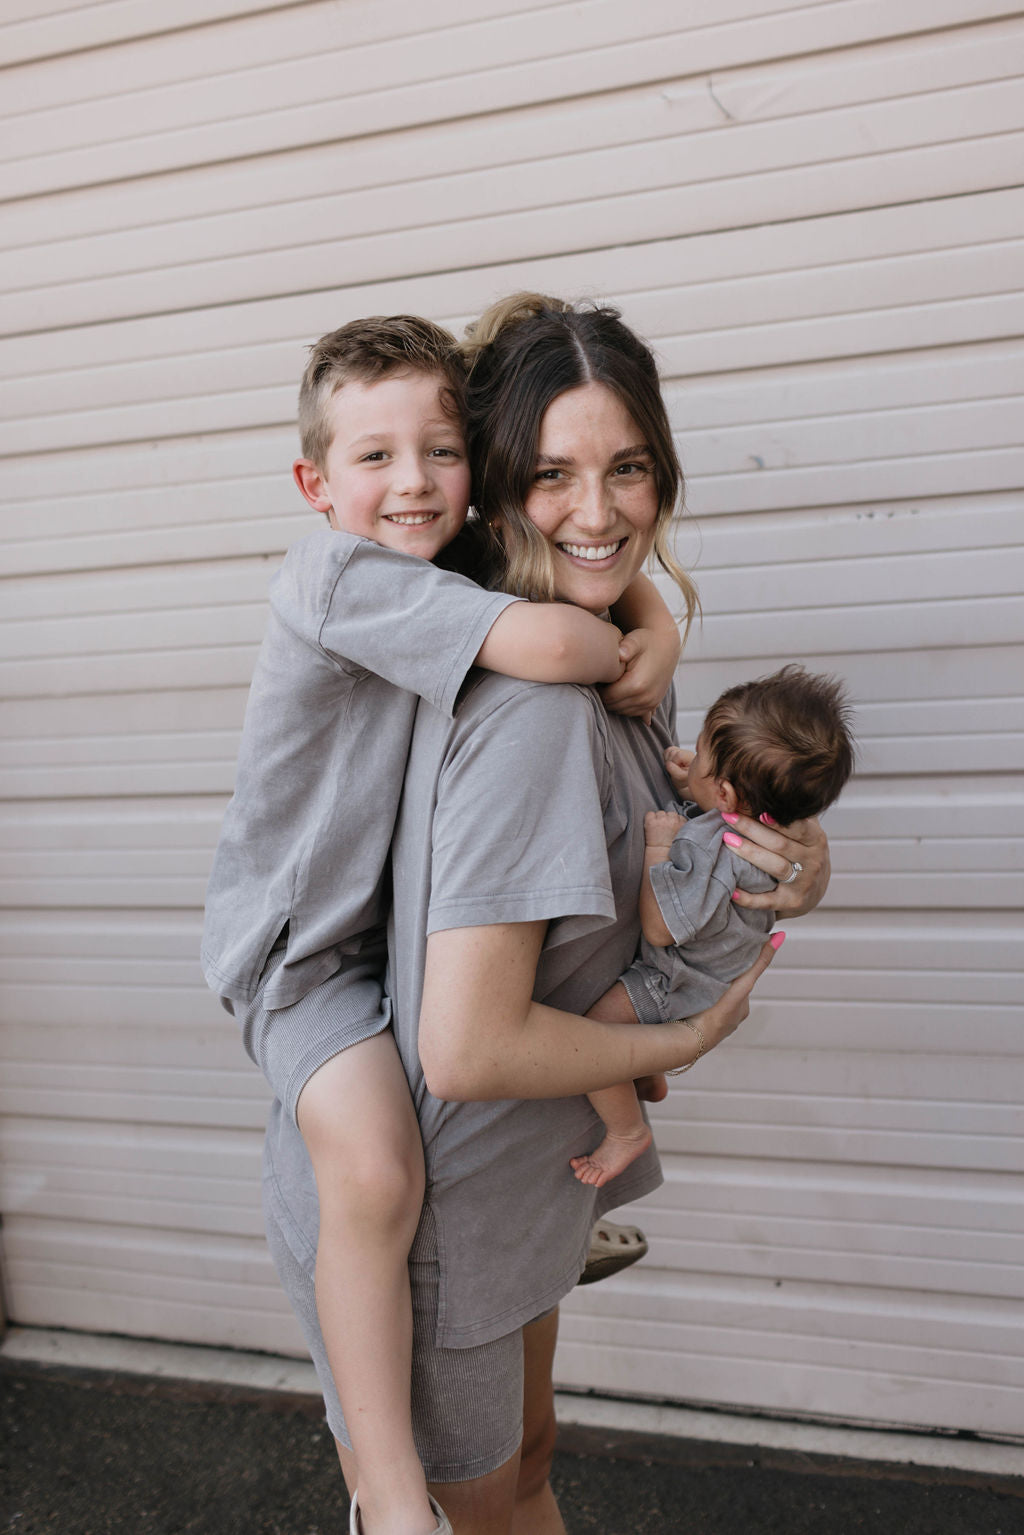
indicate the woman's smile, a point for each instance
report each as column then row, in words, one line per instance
column 593, row 496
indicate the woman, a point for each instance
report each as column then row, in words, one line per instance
column 516, row 864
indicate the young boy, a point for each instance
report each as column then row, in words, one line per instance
column 360, row 624
column 779, row 749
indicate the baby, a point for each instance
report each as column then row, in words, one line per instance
column 778, row 748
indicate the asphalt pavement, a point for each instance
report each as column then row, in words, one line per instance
column 85, row 1452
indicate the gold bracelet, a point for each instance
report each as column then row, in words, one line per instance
column 700, row 1048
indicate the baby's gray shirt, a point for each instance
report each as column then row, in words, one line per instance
column 713, row 939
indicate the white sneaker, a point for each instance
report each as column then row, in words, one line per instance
column 442, row 1527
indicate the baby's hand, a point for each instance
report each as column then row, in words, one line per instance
column 660, row 828
column 677, row 766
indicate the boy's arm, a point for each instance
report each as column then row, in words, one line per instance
column 650, row 650
column 551, row 642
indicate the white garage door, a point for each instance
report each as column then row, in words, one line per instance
column 812, row 212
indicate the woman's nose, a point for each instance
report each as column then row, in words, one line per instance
column 594, row 511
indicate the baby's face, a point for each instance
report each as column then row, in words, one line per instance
column 397, row 470
column 702, row 786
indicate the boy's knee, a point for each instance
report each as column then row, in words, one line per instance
column 383, row 1182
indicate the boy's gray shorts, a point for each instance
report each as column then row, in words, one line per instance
column 467, row 1403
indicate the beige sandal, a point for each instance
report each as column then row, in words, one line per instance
column 612, row 1248
column 442, row 1527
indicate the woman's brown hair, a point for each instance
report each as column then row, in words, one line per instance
column 523, row 352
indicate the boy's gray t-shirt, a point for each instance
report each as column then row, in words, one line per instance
column 713, row 939
column 355, row 632
column 529, row 805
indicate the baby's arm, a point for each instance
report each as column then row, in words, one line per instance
column 650, row 650
column 660, row 829
column 551, row 642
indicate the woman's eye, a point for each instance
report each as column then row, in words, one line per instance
column 625, row 471
column 548, row 476
column 445, row 453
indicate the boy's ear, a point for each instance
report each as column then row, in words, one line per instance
column 312, row 484
column 725, row 797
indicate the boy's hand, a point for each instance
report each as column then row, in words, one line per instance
column 660, row 829
column 677, row 766
column 649, row 658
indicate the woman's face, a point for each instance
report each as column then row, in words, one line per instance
column 593, row 495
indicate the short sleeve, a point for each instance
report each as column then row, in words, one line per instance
column 403, row 619
column 518, row 832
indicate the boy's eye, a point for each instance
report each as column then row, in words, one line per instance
column 376, row 457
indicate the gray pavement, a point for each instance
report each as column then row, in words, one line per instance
column 85, row 1452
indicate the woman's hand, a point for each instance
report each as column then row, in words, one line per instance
column 649, row 658
column 725, row 1016
column 779, row 851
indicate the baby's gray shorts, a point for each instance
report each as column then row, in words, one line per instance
column 467, row 1403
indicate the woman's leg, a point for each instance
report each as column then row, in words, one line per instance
column 357, row 1119
column 536, row 1512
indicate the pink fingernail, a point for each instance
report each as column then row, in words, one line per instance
column 777, row 940
column 731, row 840
column 728, row 816
column 734, row 895
column 766, row 820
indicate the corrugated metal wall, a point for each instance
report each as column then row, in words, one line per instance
column 813, row 211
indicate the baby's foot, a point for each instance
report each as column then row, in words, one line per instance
column 612, row 1157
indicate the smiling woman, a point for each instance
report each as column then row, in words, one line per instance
column 516, row 867
column 594, row 497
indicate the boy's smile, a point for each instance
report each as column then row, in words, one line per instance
column 396, row 470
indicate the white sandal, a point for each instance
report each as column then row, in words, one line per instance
column 442, row 1527
column 612, row 1248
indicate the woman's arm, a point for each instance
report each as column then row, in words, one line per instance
column 482, row 1036
column 650, row 650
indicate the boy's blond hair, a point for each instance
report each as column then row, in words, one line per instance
column 369, row 350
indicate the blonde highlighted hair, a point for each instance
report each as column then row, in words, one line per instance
column 523, row 352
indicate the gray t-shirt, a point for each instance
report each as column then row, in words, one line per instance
column 528, row 805
column 355, row 632
column 713, row 939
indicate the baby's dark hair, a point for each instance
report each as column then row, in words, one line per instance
column 783, row 742
column 368, row 350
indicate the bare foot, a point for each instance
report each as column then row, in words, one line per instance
column 611, row 1158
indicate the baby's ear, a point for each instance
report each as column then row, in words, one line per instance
column 725, row 797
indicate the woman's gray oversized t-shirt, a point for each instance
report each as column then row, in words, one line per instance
column 528, row 805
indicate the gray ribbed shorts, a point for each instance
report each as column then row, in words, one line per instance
column 467, row 1403
column 289, row 1044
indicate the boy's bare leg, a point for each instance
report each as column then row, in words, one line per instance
column 628, row 1134
column 360, row 1129
column 480, row 1507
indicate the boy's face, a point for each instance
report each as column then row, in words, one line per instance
column 396, row 470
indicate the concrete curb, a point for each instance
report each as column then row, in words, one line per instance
column 611, row 1416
